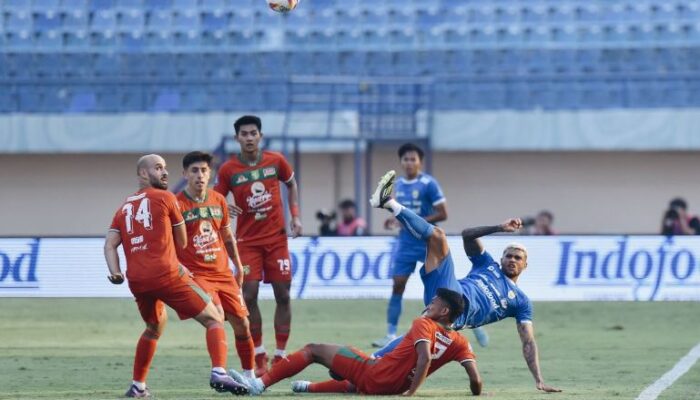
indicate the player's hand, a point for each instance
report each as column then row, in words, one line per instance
column 116, row 279
column 391, row 223
column 295, row 226
column 512, row 225
column 546, row 388
column 234, row 210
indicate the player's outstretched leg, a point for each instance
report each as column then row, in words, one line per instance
column 388, row 347
column 381, row 198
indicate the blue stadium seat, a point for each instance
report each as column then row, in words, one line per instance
column 82, row 100
column 103, row 21
column 166, row 100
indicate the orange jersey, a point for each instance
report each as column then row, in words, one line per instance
column 144, row 222
column 256, row 189
column 205, row 253
column 393, row 372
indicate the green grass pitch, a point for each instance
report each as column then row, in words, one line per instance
column 83, row 349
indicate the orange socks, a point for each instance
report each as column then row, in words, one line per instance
column 246, row 351
column 330, row 386
column 286, row 367
column 281, row 336
column 216, row 345
column 145, row 350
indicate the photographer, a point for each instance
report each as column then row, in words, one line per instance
column 350, row 224
column 540, row 225
column 677, row 221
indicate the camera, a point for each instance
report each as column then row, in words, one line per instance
column 325, row 215
column 528, row 221
column 327, row 220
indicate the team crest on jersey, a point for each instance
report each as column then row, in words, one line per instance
column 246, row 271
column 203, row 212
column 255, row 174
column 416, row 194
column 511, row 294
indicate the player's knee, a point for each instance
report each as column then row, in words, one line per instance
column 438, row 242
column 399, row 286
column 312, row 350
column 240, row 326
column 251, row 299
column 153, row 331
column 282, row 299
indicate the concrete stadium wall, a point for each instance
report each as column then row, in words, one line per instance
column 589, row 192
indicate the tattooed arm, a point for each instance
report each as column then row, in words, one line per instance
column 527, row 336
column 470, row 236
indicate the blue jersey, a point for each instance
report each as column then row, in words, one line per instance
column 420, row 195
column 492, row 296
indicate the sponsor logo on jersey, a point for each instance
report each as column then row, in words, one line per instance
column 259, row 196
column 487, row 292
column 442, row 338
column 270, row 171
column 137, row 240
column 494, row 271
column 241, row 179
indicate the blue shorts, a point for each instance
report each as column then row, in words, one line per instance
column 406, row 256
column 441, row 277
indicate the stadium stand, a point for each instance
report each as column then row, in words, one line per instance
column 169, row 55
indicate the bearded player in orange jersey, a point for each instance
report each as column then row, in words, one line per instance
column 209, row 239
column 253, row 178
column 145, row 225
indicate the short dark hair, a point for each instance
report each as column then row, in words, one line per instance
column 196, row 156
column 407, row 147
column 247, row 120
column 347, row 203
column 454, row 301
column 548, row 214
column 679, row 202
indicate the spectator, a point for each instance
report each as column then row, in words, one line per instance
column 677, row 220
column 541, row 224
column 350, row 224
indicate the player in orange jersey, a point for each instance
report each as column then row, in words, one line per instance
column 253, row 178
column 428, row 345
column 209, row 239
column 145, row 225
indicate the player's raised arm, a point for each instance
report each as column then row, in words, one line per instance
column 422, row 366
column 293, row 201
column 112, row 241
column 474, row 377
column 470, row 236
column 527, row 336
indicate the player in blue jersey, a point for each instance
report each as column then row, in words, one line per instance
column 422, row 194
column 489, row 290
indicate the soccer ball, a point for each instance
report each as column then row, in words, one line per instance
column 282, row 6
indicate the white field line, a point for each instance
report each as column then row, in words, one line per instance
column 678, row 370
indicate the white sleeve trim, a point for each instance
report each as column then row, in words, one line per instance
column 179, row 223
column 114, row 230
column 420, row 340
column 290, row 178
column 525, row 321
column 439, row 201
column 467, row 360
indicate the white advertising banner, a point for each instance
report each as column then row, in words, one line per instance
column 560, row 267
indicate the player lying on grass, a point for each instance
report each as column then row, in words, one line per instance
column 428, row 345
column 489, row 290
column 147, row 225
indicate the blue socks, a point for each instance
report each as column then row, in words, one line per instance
column 415, row 225
column 393, row 313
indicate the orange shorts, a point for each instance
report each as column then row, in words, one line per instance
column 267, row 262
column 351, row 364
column 224, row 292
column 182, row 295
